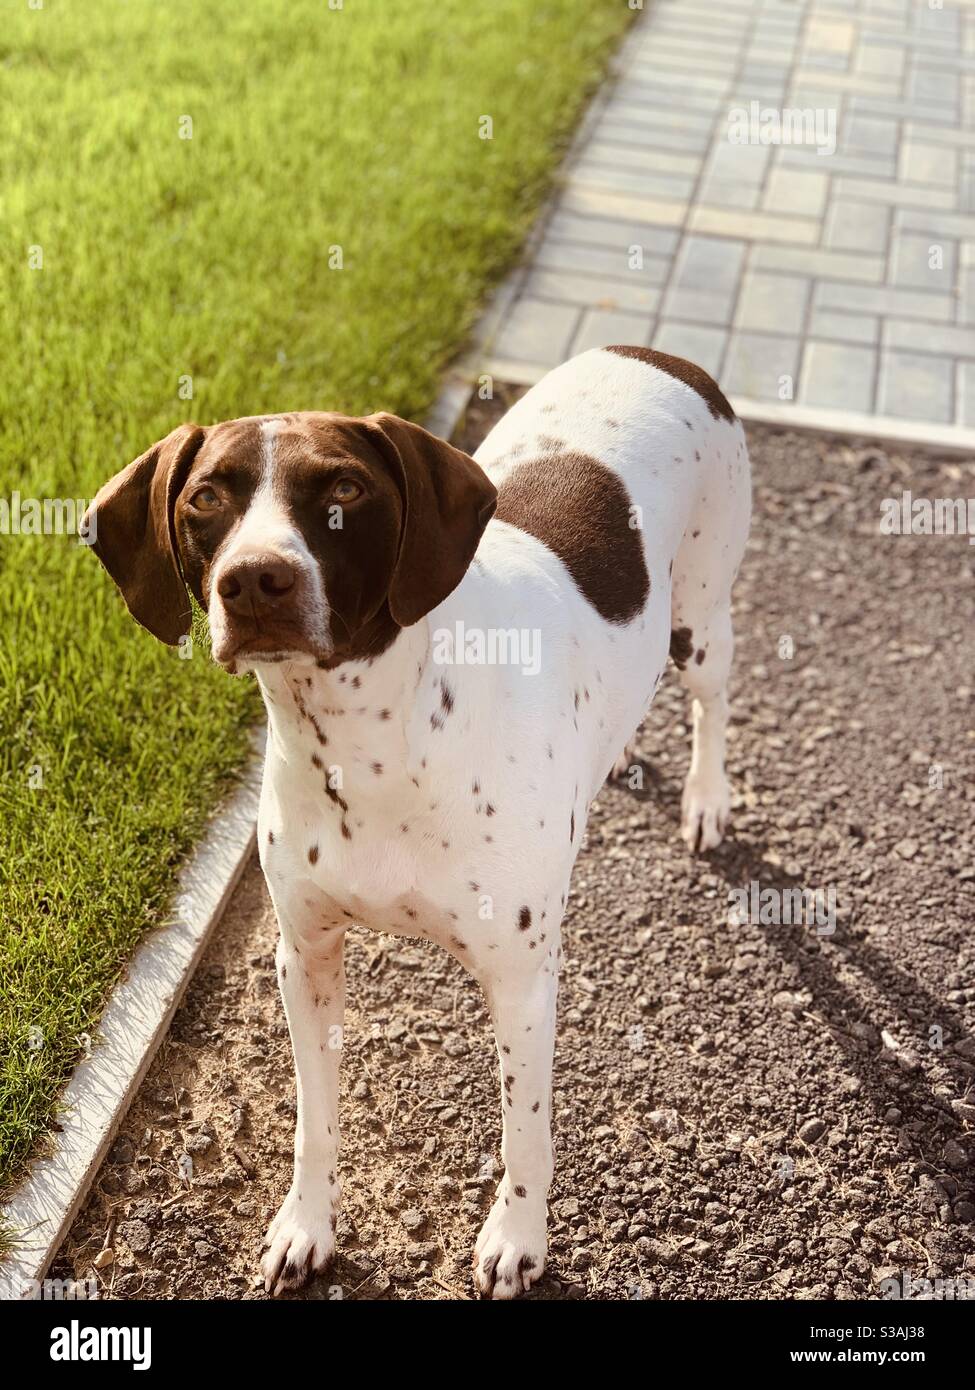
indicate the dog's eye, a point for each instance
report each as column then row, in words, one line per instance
column 346, row 490
column 205, row 500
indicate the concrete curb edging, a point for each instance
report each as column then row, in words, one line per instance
column 135, row 1020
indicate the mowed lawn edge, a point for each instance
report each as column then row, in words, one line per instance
column 209, row 212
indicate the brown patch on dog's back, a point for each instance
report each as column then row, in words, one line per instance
column 688, row 372
column 581, row 510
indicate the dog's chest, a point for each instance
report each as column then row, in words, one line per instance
column 392, row 837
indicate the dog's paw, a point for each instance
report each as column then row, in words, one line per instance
column 705, row 808
column 300, row 1243
column 510, row 1251
column 623, row 763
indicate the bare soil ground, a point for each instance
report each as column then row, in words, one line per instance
column 740, row 1111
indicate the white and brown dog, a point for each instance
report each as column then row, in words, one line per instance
column 446, row 693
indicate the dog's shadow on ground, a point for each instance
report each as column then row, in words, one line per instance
column 740, row 863
column 909, row 1003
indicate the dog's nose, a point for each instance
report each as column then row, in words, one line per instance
column 255, row 581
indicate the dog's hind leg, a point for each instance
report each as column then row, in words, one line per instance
column 702, row 641
column 706, row 801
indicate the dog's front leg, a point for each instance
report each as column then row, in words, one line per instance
column 510, row 1251
column 311, row 972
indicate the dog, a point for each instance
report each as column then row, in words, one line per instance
column 427, row 774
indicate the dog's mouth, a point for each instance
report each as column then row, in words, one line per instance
column 266, row 648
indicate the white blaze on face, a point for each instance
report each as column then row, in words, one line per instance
column 268, row 528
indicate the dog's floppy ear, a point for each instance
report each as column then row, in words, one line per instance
column 447, row 502
column 131, row 524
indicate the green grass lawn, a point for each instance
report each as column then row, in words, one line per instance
column 132, row 260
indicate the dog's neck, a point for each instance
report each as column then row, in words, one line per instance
column 349, row 714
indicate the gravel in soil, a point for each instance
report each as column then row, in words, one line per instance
column 741, row 1111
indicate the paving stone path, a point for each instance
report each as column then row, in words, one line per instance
column 784, row 192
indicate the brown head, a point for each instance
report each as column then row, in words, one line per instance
column 309, row 534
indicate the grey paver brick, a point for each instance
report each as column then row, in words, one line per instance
column 923, row 162
column 621, row 262
column 770, row 226
column 885, row 60
column 933, row 85
column 730, row 161
column 801, row 192
column 643, row 156
column 966, row 302
column 901, row 194
column 916, row 387
column 828, row 34
column 847, row 328
column 956, row 340
column 593, row 291
column 705, row 280
column 601, row 327
column 761, row 366
column 635, row 183
column 578, row 198
column 773, row 303
column 881, row 299
column 854, row 226
column 613, row 233
column 838, row 377
column 933, row 223
column 697, row 342
column 966, row 393
column 537, row 332
column 857, row 165
column 689, row 140
column 869, row 135
column 827, row 265
column 923, row 262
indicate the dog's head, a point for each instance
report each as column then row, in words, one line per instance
column 308, row 534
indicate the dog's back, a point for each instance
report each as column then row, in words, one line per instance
column 631, row 467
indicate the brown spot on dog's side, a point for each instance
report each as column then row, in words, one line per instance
column 681, row 646
column 524, row 919
column 520, row 1192
column 446, row 697
column 681, row 370
column 270, row 837
column 581, row 510
column 313, row 855
column 699, row 655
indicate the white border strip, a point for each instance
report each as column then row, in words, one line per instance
column 136, row 1019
